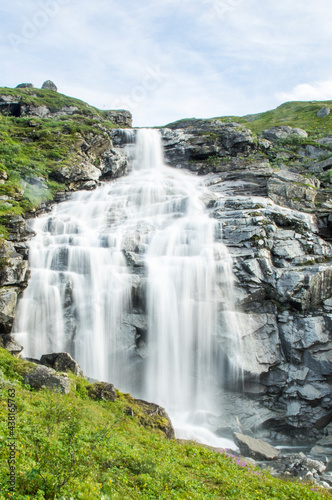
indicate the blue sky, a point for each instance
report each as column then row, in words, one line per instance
column 172, row 59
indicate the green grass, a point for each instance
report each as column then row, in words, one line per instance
column 71, row 446
column 301, row 114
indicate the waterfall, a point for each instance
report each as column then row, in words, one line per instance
column 134, row 281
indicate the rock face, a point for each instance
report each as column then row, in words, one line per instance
column 255, row 448
column 49, row 85
column 43, row 377
column 272, row 222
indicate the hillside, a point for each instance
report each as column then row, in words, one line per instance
column 82, row 446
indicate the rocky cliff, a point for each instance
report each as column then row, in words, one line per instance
column 269, row 187
column 271, row 193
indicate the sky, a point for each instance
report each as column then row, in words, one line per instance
column 171, row 59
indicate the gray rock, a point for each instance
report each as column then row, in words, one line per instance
column 321, row 113
column 8, row 301
column 76, row 175
column 44, row 377
column 120, row 117
column 320, row 450
column 11, row 345
column 255, row 448
column 284, row 132
column 102, row 391
column 25, row 86
column 61, row 362
column 49, row 85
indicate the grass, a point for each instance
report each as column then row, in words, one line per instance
column 32, row 148
column 72, row 446
column 301, row 114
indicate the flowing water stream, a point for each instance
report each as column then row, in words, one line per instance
column 133, row 280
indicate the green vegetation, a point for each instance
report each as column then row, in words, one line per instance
column 74, row 447
column 301, row 114
column 32, row 148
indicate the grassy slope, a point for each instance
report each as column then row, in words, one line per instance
column 33, row 147
column 70, row 446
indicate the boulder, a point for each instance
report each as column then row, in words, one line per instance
column 284, row 132
column 158, row 417
column 61, row 362
column 102, row 391
column 43, row 377
column 25, row 86
column 255, row 448
column 49, row 85
column 323, row 112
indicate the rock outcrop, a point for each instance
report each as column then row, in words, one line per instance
column 49, row 85
column 272, row 223
column 255, row 448
column 44, row 377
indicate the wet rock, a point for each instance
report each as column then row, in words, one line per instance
column 255, row 448
column 102, row 391
column 61, row 362
column 44, row 377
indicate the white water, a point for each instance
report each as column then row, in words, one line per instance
column 80, row 296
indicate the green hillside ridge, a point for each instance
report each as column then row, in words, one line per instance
column 301, row 114
column 71, row 446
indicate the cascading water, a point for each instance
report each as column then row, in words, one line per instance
column 133, row 280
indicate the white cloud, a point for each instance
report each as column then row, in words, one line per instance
column 319, row 91
column 242, row 62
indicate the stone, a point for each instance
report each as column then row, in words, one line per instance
column 158, row 417
column 323, row 112
column 8, row 301
column 102, row 391
column 43, row 377
column 11, row 345
column 25, row 86
column 49, row 85
column 320, row 450
column 283, row 132
column 61, row 362
column 255, row 448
